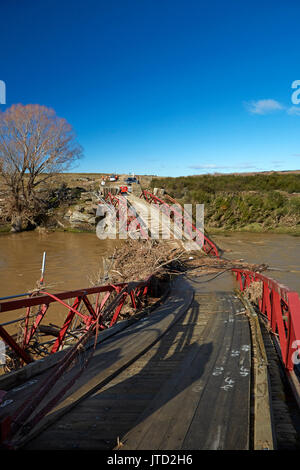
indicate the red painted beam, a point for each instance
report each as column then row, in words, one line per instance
column 8, row 306
column 11, row 342
column 66, row 325
column 277, row 302
column 206, row 241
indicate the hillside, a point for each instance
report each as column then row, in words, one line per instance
column 250, row 202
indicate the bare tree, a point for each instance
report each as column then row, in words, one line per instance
column 35, row 144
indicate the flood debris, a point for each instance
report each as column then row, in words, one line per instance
column 254, row 291
column 139, row 259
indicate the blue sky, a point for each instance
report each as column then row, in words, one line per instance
column 166, row 87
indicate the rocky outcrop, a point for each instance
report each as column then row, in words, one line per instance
column 83, row 214
column 64, row 208
column 78, row 218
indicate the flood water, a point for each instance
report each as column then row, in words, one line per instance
column 74, row 259
column 280, row 252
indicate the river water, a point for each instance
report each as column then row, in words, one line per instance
column 280, row 252
column 74, row 259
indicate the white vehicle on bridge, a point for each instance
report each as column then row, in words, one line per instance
column 113, row 178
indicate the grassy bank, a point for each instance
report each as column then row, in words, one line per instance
column 253, row 203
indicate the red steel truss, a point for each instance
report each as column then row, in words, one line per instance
column 103, row 313
column 194, row 233
column 281, row 308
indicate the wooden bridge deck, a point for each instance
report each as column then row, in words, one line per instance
column 178, row 379
column 205, row 403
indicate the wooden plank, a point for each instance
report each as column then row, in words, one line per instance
column 238, row 430
column 164, row 424
column 220, row 341
column 263, row 432
column 195, row 407
column 186, row 414
column 225, row 398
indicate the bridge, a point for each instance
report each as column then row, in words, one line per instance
column 205, row 369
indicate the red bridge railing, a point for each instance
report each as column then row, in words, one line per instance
column 193, row 232
column 281, row 308
column 104, row 312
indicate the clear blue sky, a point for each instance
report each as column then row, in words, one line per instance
column 166, row 87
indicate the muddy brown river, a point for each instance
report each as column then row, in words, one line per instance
column 74, row 259
column 280, row 252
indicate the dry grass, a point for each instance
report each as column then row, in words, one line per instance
column 254, row 291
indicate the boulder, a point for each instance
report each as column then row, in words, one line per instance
column 91, row 209
column 79, row 208
column 79, row 217
column 88, row 196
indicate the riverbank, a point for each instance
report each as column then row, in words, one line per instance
column 261, row 203
column 70, row 202
column 255, row 228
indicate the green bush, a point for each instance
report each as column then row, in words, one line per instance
column 261, row 182
column 295, row 205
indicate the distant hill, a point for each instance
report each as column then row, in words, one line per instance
column 262, row 201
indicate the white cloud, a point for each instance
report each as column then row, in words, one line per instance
column 266, row 106
column 294, row 110
column 207, row 167
column 243, row 166
column 269, row 106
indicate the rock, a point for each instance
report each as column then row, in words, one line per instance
column 91, row 209
column 78, row 218
column 88, row 196
column 79, row 208
column 16, row 224
column 68, row 214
